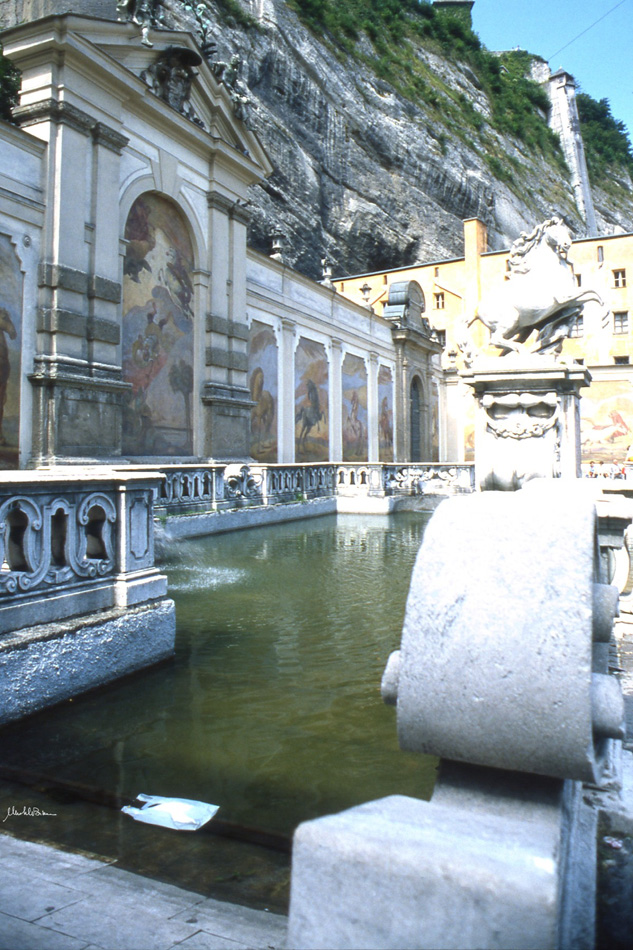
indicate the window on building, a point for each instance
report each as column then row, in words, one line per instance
column 619, row 278
column 621, row 322
column 577, row 327
column 384, row 280
column 578, row 280
column 437, row 272
column 439, row 301
column 622, row 360
column 600, row 254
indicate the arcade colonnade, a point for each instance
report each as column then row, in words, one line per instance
column 134, row 321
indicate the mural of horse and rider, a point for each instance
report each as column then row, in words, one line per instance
column 263, row 363
column 157, row 328
column 11, row 290
column 354, row 409
column 312, row 430
column 385, row 418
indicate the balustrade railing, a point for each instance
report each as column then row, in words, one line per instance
column 436, row 478
column 75, row 541
column 191, row 488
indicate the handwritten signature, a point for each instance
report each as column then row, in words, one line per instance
column 13, row 812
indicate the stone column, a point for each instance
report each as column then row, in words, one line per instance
column 286, row 384
column 77, row 374
column 527, row 420
column 401, row 420
column 372, row 408
column 225, row 394
column 336, row 400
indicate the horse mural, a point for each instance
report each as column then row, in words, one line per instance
column 6, row 326
column 309, row 415
column 263, row 412
column 539, row 295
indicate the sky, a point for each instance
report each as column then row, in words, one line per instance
column 600, row 59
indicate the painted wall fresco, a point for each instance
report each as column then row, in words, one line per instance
column 385, row 415
column 158, row 330
column 311, row 402
column 354, row 409
column 262, row 381
column 606, row 411
column 11, row 289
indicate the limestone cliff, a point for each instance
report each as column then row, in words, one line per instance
column 363, row 174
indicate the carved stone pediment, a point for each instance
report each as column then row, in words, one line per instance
column 171, row 77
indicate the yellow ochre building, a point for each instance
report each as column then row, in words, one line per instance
column 601, row 338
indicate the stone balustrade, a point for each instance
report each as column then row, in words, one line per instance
column 74, row 542
column 191, row 488
column 81, row 601
column 429, row 479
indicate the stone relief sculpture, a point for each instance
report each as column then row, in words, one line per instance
column 144, row 13
column 229, row 74
column 205, row 27
column 171, row 78
column 523, row 432
column 539, row 296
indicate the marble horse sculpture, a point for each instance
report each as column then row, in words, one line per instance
column 540, row 294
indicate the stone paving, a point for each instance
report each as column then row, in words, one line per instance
column 58, row 900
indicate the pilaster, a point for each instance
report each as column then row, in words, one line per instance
column 336, row 400
column 372, row 408
column 286, row 384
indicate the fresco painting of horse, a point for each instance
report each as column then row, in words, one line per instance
column 606, row 432
column 311, row 401
column 11, row 289
column 385, row 417
column 262, row 381
column 157, row 332
column 354, row 409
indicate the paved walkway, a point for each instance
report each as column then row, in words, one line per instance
column 57, row 900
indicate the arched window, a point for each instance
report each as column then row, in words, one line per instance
column 157, row 330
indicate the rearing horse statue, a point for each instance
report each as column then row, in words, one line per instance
column 540, row 293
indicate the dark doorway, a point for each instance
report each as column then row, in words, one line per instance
column 416, row 420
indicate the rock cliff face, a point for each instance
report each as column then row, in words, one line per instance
column 364, row 176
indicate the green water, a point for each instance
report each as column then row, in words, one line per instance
column 271, row 707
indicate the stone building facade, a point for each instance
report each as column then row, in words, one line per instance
column 136, row 324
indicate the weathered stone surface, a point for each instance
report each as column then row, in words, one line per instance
column 364, row 175
column 47, row 664
column 399, row 873
column 496, row 657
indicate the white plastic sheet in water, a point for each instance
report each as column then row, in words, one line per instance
column 181, row 814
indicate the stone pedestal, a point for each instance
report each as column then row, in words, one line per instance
column 226, row 421
column 527, row 421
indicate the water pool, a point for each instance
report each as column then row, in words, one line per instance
column 271, row 707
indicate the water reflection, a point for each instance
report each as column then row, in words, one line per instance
column 271, row 707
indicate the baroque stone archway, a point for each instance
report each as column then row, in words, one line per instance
column 157, row 330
